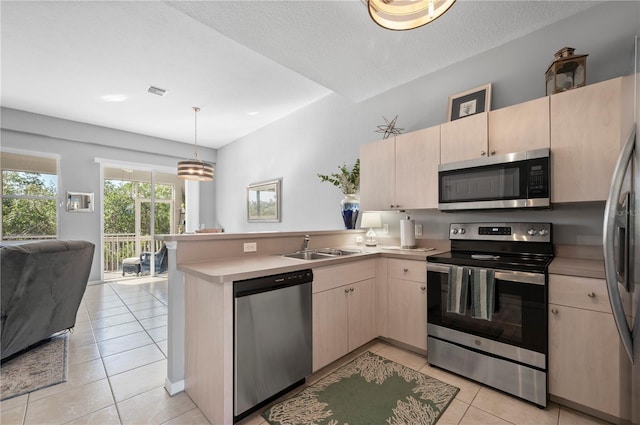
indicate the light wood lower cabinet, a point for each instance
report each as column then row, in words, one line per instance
column 343, row 310
column 586, row 358
column 408, row 302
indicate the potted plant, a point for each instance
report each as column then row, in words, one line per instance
column 348, row 181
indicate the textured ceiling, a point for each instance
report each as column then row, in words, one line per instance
column 245, row 63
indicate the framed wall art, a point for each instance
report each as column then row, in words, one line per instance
column 264, row 201
column 470, row 102
column 79, row 202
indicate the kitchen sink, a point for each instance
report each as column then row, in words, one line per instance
column 334, row 251
column 319, row 254
column 308, row 255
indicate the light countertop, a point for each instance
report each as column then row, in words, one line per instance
column 250, row 266
column 577, row 267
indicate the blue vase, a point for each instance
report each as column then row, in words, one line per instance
column 350, row 208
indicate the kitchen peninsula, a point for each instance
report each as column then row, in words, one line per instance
column 202, row 269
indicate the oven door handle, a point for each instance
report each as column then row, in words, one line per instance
column 507, row 275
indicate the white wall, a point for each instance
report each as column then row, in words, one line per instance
column 78, row 146
column 327, row 134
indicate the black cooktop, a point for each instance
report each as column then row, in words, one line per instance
column 534, row 263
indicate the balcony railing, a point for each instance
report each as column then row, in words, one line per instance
column 124, row 245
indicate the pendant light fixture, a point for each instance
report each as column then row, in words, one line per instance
column 403, row 15
column 195, row 169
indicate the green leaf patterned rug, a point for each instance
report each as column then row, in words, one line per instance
column 368, row 390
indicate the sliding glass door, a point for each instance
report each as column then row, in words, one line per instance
column 138, row 205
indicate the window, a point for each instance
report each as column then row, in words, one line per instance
column 29, row 197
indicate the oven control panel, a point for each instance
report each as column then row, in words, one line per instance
column 522, row 232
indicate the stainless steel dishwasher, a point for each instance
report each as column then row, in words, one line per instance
column 272, row 338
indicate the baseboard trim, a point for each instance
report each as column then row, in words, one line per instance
column 173, row 388
column 589, row 411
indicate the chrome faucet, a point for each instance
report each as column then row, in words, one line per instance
column 305, row 244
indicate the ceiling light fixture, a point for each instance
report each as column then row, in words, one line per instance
column 195, row 169
column 403, row 15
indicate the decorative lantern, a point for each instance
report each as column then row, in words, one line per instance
column 566, row 72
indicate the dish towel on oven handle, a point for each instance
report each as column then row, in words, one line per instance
column 457, row 290
column 482, row 294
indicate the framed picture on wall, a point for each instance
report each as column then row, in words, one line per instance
column 264, row 201
column 470, row 102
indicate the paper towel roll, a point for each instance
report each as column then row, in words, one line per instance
column 407, row 233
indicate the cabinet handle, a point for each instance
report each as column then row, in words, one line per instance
column 405, row 270
column 493, row 152
column 346, row 291
column 422, row 288
column 554, row 310
column 350, row 289
column 482, row 153
column 591, row 294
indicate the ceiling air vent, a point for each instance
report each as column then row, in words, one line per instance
column 156, row 90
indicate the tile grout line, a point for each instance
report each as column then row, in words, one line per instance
column 152, row 339
column 104, row 367
column 138, row 320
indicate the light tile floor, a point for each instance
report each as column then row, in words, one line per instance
column 117, row 367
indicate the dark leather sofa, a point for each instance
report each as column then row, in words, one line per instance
column 42, row 284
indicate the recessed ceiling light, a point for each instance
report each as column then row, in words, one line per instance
column 114, row 97
column 156, row 90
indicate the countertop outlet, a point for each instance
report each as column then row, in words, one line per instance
column 250, row 247
column 418, row 229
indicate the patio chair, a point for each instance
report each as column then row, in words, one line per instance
column 161, row 260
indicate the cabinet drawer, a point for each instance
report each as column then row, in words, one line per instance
column 580, row 292
column 407, row 270
column 325, row 278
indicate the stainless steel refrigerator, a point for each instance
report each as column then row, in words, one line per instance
column 621, row 238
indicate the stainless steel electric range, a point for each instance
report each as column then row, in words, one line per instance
column 487, row 306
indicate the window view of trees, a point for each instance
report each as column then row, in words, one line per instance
column 120, row 204
column 127, row 218
column 29, row 209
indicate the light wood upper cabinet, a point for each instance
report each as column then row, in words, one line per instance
column 417, row 159
column 586, row 357
column 520, row 127
column 377, row 175
column 464, row 138
column 516, row 128
column 588, row 128
column 401, row 173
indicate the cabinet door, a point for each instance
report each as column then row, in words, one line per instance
column 330, row 329
column 362, row 320
column 464, row 138
column 520, row 127
column 377, row 175
column 585, row 359
column 417, row 159
column 408, row 312
column 587, row 130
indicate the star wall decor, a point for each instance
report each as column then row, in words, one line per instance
column 390, row 128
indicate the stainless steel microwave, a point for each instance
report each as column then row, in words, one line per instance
column 515, row 180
